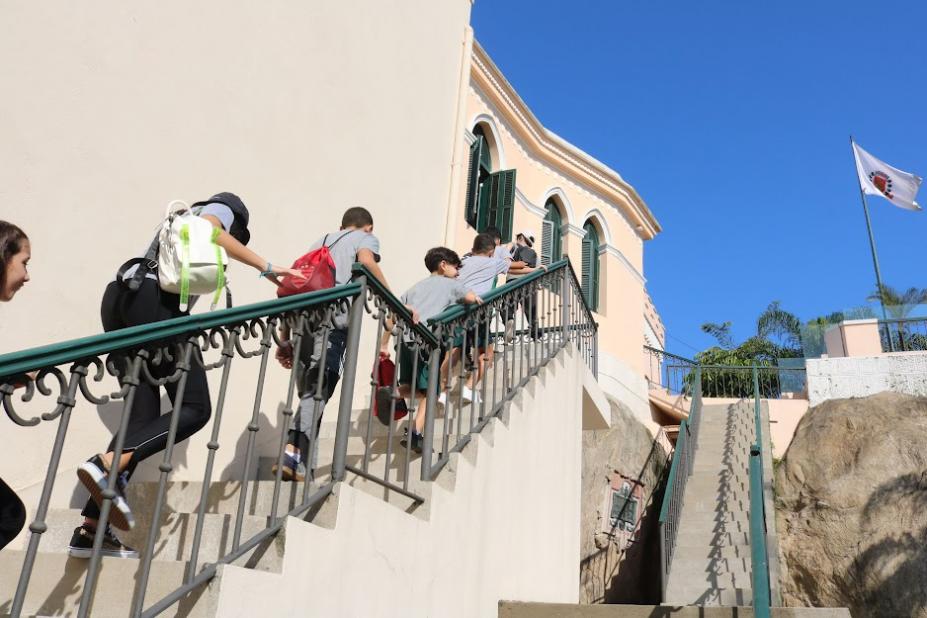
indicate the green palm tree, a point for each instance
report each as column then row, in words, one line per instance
column 897, row 304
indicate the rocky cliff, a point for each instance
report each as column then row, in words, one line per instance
column 621, row 554
column 852, row 507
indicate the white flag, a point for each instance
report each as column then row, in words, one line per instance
column 878, row 178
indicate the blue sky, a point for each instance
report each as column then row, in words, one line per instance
column 732, row 121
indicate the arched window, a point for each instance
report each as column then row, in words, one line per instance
column 551, row 234
column 490, row 195
column 590, row 266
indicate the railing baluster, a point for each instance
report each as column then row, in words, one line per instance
column 90, row 581
column 343, row 429
column 228, row 351
column 38, row 526
column 165, row 468
column 253, row 427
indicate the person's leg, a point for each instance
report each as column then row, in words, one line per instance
column 12, row 514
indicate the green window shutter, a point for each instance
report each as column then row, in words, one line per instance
column 473, row 181
column 547, row 242
column 501, row 203
column 556, row 245
column 586, row 267
column 590, row 265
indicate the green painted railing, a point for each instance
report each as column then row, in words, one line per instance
column 758, row 554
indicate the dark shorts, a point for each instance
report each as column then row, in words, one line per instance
column 406, row 362
column 476, row 336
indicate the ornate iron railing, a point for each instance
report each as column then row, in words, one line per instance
column 164, row 353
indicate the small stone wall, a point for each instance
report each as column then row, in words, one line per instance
column 841, row 378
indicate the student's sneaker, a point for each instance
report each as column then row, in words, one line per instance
column 416, row 441
column 81, row 545
column 442, row 400
column 293, row 468
column 467, row 394
column 92, row 473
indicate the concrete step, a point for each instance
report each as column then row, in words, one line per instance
column 518, row 609
column 57, row 583
column 707, row 552
column 175, row 537
column 715, row 538
column 706, row 595
column 698, row 519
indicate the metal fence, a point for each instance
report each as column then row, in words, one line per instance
column 668, row 372
column 903, row 335
column 680, row 471
column 526, row 322
column 747, row 382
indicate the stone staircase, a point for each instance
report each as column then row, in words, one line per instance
column 57, row 581
column 711, row 562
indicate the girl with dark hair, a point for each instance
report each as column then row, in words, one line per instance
column 15, row 252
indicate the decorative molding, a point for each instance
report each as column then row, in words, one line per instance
column 575, row 230
column 615, row 252
column 558, row 149
column 533, row 208
column 490, row 122
column 595, row 213
column 561, row 195
column 469, row 137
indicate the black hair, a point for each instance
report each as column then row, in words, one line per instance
column 494, row 232
column 356, row 217
column 482, row 243
column 435, row 256
column 11, row 243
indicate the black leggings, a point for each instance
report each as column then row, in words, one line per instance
column 12, row 514
column 148, row 428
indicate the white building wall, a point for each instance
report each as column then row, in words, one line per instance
column 838, row 378
column 503, row 525
column 112, row 109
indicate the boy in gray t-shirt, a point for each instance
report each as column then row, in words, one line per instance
column 426, row 299
column 354, row 242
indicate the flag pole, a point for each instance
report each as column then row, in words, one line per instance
column 872, row 247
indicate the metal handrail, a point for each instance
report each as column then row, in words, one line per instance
column 249, row 332
column 758, row 539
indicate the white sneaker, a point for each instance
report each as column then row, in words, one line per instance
column 467, row 394
column 442, row 400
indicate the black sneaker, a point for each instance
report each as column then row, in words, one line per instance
column 82, row 544
column 93, row 475
column 416, row 441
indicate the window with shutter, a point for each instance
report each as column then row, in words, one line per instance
column 497, row 203
column 590, row 267
column 553, row 215
column 624, row 509
column 473, row 180
column 547, row 241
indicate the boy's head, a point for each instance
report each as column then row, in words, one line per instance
column 357, row 218
column 442, row 261
column 495, row 234
column 525, row 238
column 483, row 244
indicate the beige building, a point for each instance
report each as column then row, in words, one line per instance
column 305, row 109
column 523, row 176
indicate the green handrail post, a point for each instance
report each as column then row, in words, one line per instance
column 758, row 556
column 759, row 559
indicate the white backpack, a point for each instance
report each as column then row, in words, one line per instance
column 190, row 262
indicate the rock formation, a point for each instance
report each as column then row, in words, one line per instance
column 621, row 559
column 852, row 507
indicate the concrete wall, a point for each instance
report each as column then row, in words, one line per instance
column 303, row 108
column 853, row 338
column 505, row 525
column 838, row 378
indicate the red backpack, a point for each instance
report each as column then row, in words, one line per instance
column 317, row 266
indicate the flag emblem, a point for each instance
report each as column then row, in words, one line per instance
column 882, row 182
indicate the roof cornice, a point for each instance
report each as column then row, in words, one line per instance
column 557, row 152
